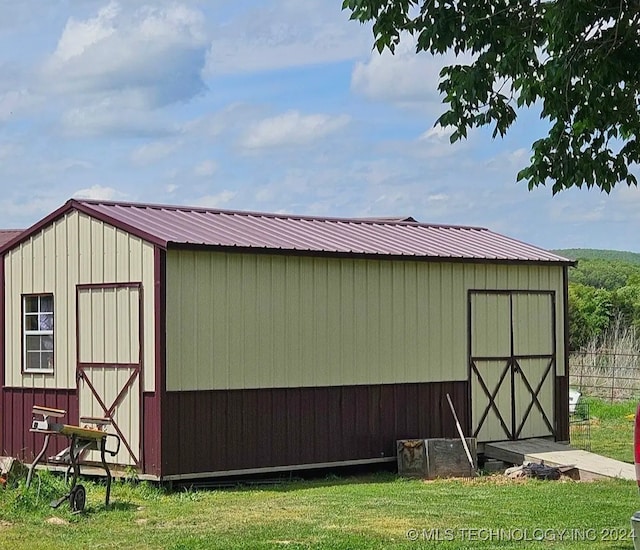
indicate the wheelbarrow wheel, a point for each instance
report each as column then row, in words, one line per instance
column 77, row 498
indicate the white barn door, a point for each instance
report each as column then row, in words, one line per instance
column 109, row 362
column 512, row 364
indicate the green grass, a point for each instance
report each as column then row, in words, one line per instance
column 612, row 428
column 375, row 511
column 604, row 410
column 371, row 512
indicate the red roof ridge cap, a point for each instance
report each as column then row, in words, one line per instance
column 383, row 220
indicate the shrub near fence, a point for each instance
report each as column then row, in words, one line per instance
column 605, row 374
column 608, row 368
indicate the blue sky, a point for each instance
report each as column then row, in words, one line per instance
column 276, row 106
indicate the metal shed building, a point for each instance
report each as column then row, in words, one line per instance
column 223, row 342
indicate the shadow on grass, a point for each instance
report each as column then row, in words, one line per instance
column 312, row 479
column 119, row 506
column 114, row 506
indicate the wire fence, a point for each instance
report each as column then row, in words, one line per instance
column 607, row 374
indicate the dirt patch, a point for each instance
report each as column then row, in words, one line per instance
column 57, row 521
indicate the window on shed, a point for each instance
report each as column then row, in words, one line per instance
column 37, row 332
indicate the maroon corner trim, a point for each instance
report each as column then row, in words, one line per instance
column 140, row 375
column 160, row 317
column 2, row 360
column 154, row 434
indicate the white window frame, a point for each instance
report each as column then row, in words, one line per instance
column 39, row 314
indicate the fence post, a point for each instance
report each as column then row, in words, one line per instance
column 581, row 371
column 613, row 377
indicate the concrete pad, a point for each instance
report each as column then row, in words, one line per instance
column 551, row 453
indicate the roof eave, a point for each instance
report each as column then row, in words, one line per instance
column 364, row 255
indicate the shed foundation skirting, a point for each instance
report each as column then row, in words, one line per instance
column 16, row 415
column 225, row 430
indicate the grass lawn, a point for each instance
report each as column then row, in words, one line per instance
column 611, row 428
column 372, row 511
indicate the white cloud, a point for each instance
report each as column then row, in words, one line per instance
column 511, row 161
column 26, row 209
column 438, row 198
column 291, row 129
column 205, row 168
column 98, row 192
column 66, row 165
column 572, row 212
column 153, row 152
column 437, row 133
column 217, row 200
column 78, row 36
column 157, row 51
column 405, row 78
column 118, row 115
column 623, row 202
column 288, row 33
column 436, row 143
column 16, row 102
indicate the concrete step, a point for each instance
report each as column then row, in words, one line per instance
column 551, row 453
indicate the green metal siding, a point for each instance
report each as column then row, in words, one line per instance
column 237, row 320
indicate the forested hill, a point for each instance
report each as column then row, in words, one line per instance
column 604, row 296
column 595, row 254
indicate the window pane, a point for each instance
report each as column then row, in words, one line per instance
column 33, row 360
column 47, row 360
column 46, row 303
column 46, row 321
column 31, row 322
column 46, row 342
column 31, row 303
column 33, row 343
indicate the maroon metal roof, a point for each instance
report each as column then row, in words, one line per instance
column 397, row 237
column 7, row 235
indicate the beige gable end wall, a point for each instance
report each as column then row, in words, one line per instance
column 262, row 321
column 73, row 250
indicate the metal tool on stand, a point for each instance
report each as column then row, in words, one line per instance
column 81, row 440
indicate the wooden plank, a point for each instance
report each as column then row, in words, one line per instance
column 84, row 433
column 46, row 411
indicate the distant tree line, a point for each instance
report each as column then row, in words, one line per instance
column 602, row 292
